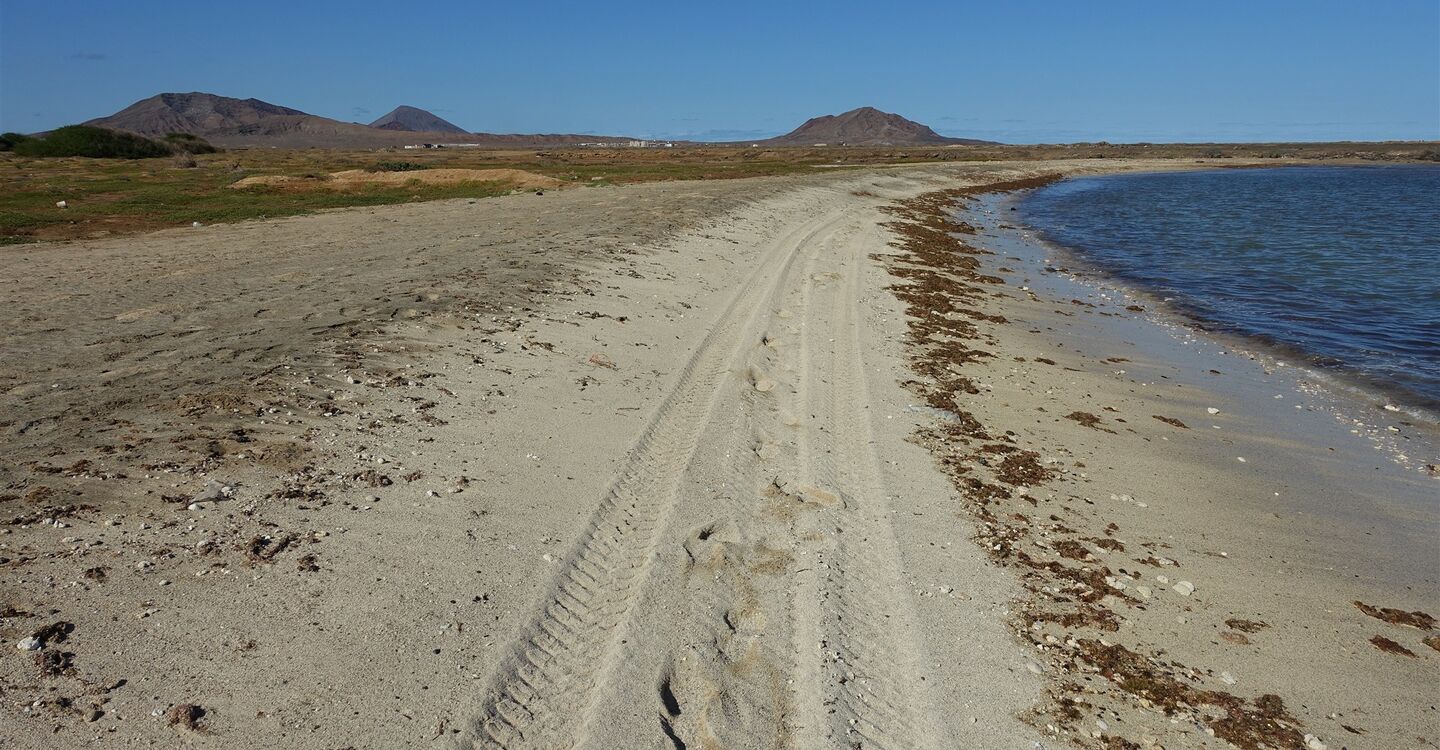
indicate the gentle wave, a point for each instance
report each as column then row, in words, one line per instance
column 1339, row 264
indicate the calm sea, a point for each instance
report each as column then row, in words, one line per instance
column 1340, row 265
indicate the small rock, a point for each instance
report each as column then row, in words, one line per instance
column 1034, row 667
column 1313, row 743
column 1227, row 678
column 1212, row 410
column 196, row 224
column 62, row 204
column 1241, row 459
column 213, row 491
column 29, row 643
column 1184, row 588
column 1143, row 591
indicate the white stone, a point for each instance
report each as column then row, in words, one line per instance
column 1184, row 588
column 29, row 643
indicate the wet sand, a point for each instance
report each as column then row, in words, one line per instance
column 639, row 467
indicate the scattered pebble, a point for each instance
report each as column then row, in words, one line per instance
column 1184, row 588
column 29, row 643
column 1313, row 743
column 1035, row 667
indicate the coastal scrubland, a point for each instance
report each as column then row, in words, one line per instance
column 124, row 196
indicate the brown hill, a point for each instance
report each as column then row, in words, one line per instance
column 196, row 113
column 415, row 120
column 865, row 126
column 230, row 122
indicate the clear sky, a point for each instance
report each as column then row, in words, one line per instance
column 1012, row 71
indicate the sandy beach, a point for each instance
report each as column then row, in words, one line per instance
column 785, row 462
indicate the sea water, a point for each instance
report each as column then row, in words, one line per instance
column 1337, row 265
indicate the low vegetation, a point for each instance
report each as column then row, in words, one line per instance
column 127, row 195
column 398, row 166
column 92, row 142
column 189, row 143
column 101, row 143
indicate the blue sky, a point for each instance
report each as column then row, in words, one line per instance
column 1020, row 72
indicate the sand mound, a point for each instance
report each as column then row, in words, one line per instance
column 357, row 178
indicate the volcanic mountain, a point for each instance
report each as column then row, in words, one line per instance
column 195, row 113
column 229, row 122
column 415, row 120
column 865, row 126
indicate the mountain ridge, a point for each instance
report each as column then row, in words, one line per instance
column 415, row 120
column 865, row 126
column 231, row 122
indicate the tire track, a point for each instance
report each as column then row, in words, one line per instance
column 541, row 695
column 858, row 625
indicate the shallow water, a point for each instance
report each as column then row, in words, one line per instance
column 1341, row 265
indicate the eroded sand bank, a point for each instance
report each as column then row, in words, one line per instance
column 627, row 467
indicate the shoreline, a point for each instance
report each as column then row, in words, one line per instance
column 1381, row 412
column 1355, row 384
column 345, row 479
column 1066, row 557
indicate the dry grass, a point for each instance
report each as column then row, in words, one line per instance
column 109, row 196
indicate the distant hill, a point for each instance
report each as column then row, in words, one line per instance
column 230, row 122
column 865, row 126
column 415, row 120
column 195, row 113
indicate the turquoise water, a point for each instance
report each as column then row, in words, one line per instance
column 1337, row 265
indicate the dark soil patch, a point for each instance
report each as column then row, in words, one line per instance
column 1092, row 421
column 1250, row 725
column 1171, row 421
column 1416, row 619
column 186, row 716
column 1390, row 647
column 264, row 548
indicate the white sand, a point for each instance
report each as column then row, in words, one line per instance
column 648, row 481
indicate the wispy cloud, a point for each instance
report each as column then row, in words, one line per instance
column 358, row 111
column 91, row 56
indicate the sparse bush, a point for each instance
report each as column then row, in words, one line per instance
column 96, row 143
column 190, row 143
column 184, row 160
column 1428, row 154
column 398, row 166
column 1212, row 153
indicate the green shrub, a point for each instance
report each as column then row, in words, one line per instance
column 397, row 166
column 8, row 141
column 190, row 143
column 96, row 143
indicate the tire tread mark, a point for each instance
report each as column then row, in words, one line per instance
column 617, row 546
